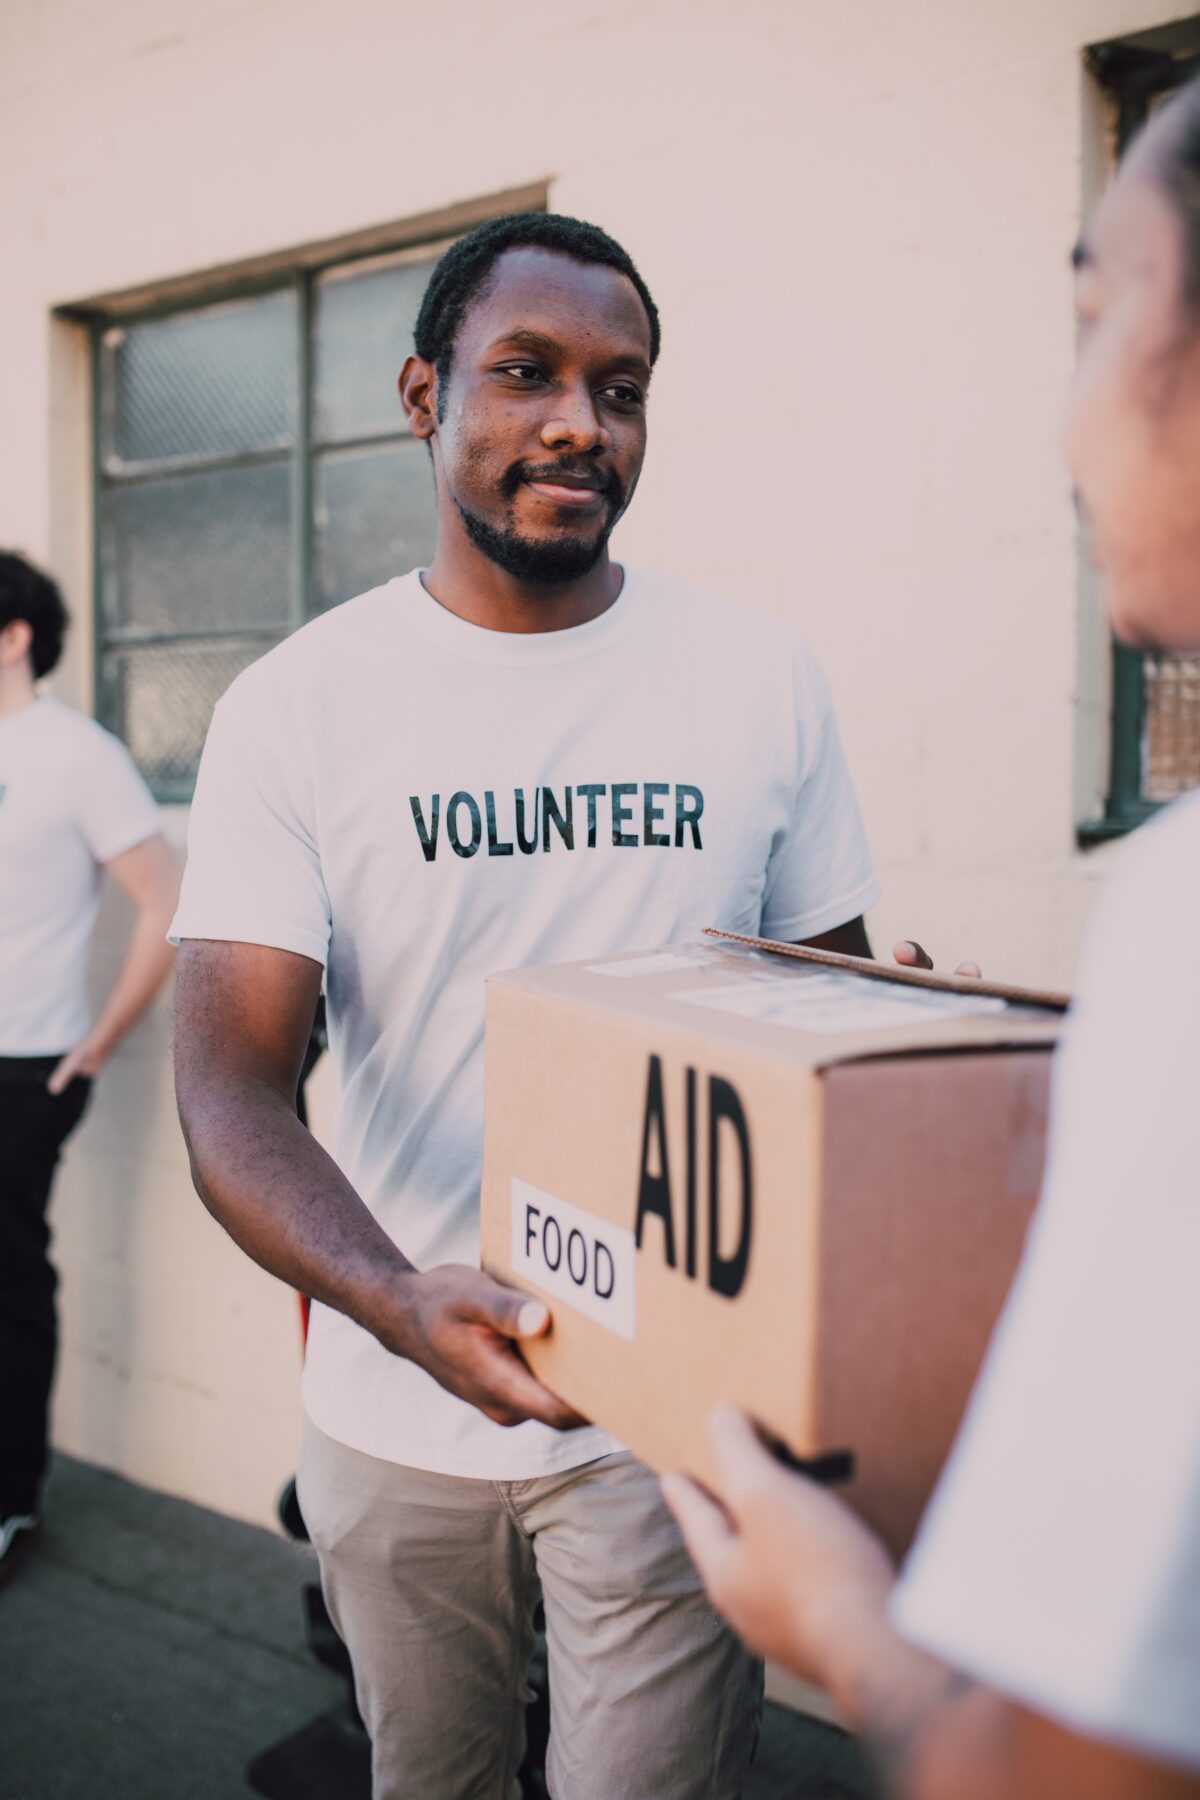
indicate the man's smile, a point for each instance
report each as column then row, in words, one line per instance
column 560, row 485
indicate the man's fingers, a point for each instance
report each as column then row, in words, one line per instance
column 60, row 1077
column 514, row 1389
column 910, row 955
column 510, row 1312
column 969, row 968
column 705, row 1528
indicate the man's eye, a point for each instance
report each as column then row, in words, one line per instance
column 523, row 371
column 623, row 393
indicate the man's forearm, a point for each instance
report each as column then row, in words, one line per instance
column 279, row 1195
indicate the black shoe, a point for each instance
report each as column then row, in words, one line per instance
column 18, row 1535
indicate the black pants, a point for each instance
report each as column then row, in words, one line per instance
column 34, row 1126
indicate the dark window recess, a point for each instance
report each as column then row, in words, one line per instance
column 1156, row 697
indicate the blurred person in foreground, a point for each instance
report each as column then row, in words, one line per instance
column 525, row 753
column 1043, row 1642
column 72, row 806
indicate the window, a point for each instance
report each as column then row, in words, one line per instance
column 254, row 467
column 1155, row 752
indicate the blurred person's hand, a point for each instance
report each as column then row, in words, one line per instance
column 796, row 1574
column 87, row 1058
column 909, row 954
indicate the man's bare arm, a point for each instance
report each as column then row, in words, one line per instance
column 149, row 874
column 242, row 1018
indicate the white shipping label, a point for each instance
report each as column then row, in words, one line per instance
column 574, row 1256
column 836, row 1002
column 659, row 962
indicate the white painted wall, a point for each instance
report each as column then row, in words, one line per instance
column 855, row 218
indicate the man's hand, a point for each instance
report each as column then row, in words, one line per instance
column 464, row 1329
column 909, row 954
column 794, row 1572
column 87, row 1058
column 851, row 939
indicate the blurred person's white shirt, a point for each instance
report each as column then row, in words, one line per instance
column 1060, row 1559
column 70, row 801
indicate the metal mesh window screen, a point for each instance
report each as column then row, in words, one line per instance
column 1171, row 733
column 363, row 320
column 160, row 699
column 213, row 382
column 254, row 468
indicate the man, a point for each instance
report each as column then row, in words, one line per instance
column 523, row 754
column 1055, row 1588
column 72, row 805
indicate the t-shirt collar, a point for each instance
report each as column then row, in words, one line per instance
column 439, row 625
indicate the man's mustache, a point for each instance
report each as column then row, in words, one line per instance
column 601, row 481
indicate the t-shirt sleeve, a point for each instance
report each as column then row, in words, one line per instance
column 820, row 873
column 1060, row 1559
column 253, row 871
column 114, row 808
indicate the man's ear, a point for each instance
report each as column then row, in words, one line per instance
column 418, row 395
column 16, row 642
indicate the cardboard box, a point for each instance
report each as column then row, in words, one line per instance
column 783, row 1180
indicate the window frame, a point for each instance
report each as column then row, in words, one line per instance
column 1134, row 71
column 301, row 456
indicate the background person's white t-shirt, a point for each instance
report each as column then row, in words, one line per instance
column 417, row 803
column 1060, row 1559
column 70, row 801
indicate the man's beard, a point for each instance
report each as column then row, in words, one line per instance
column 544, row 563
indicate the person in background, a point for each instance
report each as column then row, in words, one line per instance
column 1043, row 1642
column 72, row 805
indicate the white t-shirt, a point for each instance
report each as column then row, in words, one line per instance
column 417, row 802
column 1060, row 1559
column 70, row 801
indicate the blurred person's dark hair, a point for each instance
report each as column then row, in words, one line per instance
column 25, row 593
column 463, row 272
column 1178, row 161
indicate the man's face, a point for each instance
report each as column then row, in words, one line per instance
column 542, row 422
column 1133, row 419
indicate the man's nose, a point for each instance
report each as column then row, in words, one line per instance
column 574, row 423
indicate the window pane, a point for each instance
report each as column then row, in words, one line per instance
column 362, row 334
column 204, row 383
column 199, row 552
column 1171, row 745
column 159, row 699
column 375, row 518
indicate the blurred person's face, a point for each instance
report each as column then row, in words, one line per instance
column 541, row 427
column 1133, row 419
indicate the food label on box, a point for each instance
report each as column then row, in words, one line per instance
column 574, row 1256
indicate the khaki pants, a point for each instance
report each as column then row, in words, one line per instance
column 432, row 1581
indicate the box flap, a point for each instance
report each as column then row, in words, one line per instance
column 896, row 973
column 812, row 1011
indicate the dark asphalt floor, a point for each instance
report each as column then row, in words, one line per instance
column 151, row 1650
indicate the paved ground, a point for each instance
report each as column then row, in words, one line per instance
column 152, row 1651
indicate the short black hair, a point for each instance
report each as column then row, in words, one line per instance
column 25, row 593
column 463, row 272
